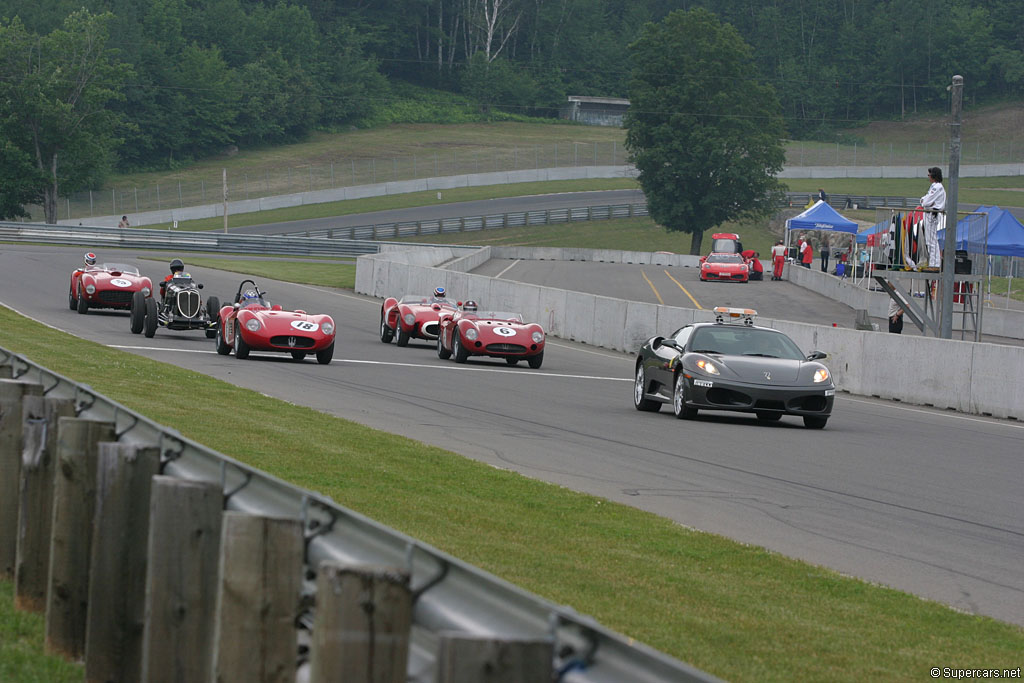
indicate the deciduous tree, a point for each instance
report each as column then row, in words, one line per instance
column 704, row 133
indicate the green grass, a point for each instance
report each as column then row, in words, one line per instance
column 999, row 286
column 22, row 659
column 404, row 201
column 737, row 611
column 342, row 275
column 985, row 191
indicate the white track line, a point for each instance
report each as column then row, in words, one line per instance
column 507, row 269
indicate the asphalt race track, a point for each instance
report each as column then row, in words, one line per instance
column 923, row 500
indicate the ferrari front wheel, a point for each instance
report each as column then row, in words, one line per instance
column 241, row 348
column 386, row 333
column 223, row 348
column 458, row 350
column 212, row 313
column 324, row 356
column 442, row 353
column 72, row 301
column 82, row 305
column 536, row 361
column 639, row 402
column 679, row 407
column 403, row 336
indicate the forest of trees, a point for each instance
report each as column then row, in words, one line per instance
column 195, row 76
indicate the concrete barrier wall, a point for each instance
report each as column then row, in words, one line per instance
column 596, row 255
column 960, row 375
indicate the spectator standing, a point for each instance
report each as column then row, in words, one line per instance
column 822, row 196
column 895, row 317
column 806, row 254
column 778, row 260
column 124, row 222
column 934, row 203
column 825, row 247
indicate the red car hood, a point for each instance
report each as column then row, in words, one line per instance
column 282, row 320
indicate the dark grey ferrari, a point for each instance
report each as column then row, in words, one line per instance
column 735, row 366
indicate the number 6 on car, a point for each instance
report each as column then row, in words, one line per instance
column 251, row 323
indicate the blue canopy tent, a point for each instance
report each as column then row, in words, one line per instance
column 877, row 228
column 821, row 216
column 1005, row 233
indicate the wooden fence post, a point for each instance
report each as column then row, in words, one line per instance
column 259, row 589
column 466, row 658
column 362, row 624
column 181, row 579
column 117, row 570
column 74, row 500
column 40, row 417
column 12, row 395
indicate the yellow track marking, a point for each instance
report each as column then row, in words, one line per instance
column 653, row 289
column 684, row 291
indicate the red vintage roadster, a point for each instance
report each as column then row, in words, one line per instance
column 490, row 333
column 413, row 316
column 251, row 323
column 106, row 285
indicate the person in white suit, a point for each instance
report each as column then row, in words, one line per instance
column 934, row 204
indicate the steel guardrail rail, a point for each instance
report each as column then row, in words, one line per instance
column 180, row 240
column 449, row 594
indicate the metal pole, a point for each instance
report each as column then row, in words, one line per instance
column 225, row 180
column 949, row 252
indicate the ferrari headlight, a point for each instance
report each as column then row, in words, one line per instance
column 707, row 366
column 537, row 337
column 821, row 375
column 252, row 324
column 327, row 328
column 90, row 289
column 145, row 291
column 410, row 319
column 706, row 266
column 471, row 333
column 743, row 269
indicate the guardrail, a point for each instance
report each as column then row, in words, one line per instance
column 177, row 240
column 448, row 594
column 441, row 226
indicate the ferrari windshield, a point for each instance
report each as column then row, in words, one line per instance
column 424, row 300
column 255, row 302
column 725, row 258
column 738, row 340
column 120, row 267
column 500, row 315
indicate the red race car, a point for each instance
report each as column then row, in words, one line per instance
column 253, row 324
column 724, row 267
column 499, row 334
column 414, row 316
column 106, row 285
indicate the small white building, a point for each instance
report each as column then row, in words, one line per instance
column 596, row 111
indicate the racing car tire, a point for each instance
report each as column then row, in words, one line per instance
column 72, row 301
column 536, row 361
column 298, row 355
column 137, row 315
column 639, row 402
column 512, row 361
column 815, row 422
column 386, row 333
column 82, row 306
column 324, row 356
column 442, row 353
column 458, row 350
column 241, row 348
column 149, row 319
column 766, row 416
column 403, row 337
column 213, row 313
column 679, row 407
column 223, row 348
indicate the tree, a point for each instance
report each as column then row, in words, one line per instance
column 704, row 134
column 55, row 90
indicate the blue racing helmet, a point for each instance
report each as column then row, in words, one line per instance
column 439, row 292
column 90, row 259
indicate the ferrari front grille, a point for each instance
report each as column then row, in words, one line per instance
column 506, row 348
column 189, row 304
column 728, row 397
column 429, row 329
column 291, row 342
column 814, row 404
column 118, row 296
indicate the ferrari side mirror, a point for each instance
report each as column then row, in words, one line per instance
column 817, row 355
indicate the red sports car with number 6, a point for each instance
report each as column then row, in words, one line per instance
column 106, row 285
column 253, row 324
column 490, row 333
